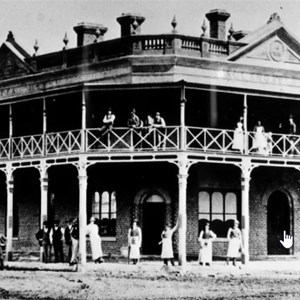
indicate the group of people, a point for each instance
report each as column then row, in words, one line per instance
column 262, row 141
column 134, row 121
column 234, row 251
column 235, row 245
column 54, row 237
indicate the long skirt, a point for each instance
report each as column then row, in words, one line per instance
column 205, row 252
column 96, row 247
column 167, row 248
column 234, row 246
column 134, row 248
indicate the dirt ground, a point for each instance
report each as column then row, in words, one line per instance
column 115, row 280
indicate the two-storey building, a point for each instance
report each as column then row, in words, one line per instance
column 56, row 164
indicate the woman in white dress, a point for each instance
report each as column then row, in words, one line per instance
column 134, row 242
column 167, row 247
column 234, row 236
column 238, row 137
column 93, row 232
column 260, row 140
column 205, row 238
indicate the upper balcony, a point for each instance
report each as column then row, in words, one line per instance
column 215, row 142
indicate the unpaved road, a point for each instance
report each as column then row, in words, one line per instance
column 150, row 282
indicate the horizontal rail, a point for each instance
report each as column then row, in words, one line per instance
column 148, row 139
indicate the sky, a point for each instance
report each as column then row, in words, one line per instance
column 49, row 20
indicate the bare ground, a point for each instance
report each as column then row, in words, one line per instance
column 259, row 280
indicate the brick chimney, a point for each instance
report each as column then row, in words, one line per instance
column 88, row 33
column 217, row 23
column 130, row 23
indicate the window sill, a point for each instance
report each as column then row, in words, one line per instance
column 108, row 239
column 221, row 239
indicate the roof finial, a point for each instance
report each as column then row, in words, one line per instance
column 231, row 31
column 204, row 27
column 36, row 48
column 135, row 25
column 97, row 34
column 66, row 41
column 10, row 37
column 274, row 17
column 174, row 24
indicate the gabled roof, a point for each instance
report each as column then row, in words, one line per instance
column 13, row 59
column 271, row 45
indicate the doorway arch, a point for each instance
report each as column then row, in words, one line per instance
column 278, row 221
column 154, row 217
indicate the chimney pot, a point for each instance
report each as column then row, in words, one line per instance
column 217, row 20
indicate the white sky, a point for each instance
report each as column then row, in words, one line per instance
column 49, row 20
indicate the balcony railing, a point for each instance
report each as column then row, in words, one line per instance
column 121, row 140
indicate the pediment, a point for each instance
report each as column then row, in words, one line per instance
column 11, row 64
column 277, row 49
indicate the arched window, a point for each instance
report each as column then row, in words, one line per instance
column 219, row 208
column 104, row 208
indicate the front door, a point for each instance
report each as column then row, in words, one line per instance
column 278, row 222
column 154, row 211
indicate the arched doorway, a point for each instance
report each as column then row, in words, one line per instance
column 278, row 218
column 154, row 213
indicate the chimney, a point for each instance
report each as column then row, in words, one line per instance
column 217, row 21
column 130, row 23
column 88, row 33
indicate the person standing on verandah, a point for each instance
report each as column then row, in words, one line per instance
column 134, row 242
column 205, row 238
column 238, row 136
column 167, row 247
column 93, row 232
column 259, row 141
column 234, row 236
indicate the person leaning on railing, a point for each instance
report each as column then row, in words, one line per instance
column 160, row 124
column 107, row 122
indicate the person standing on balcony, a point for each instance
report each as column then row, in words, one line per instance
column 44, row 241
column 205, row 238
column 167, row 247
column 259, row 141
column 160, row 125
column 292, row 138
column 56, row 239
column 107, row 122
column 135, row 123
column 238, row 137
column 134, row 242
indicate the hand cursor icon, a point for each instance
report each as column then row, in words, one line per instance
column 287, row 241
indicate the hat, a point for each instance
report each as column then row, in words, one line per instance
column 56, row 222
column 45, row 223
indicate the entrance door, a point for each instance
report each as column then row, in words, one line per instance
column 278, row 221
column 154, row 210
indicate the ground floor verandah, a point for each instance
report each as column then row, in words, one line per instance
column 155, row 194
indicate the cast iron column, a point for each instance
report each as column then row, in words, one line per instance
column 82, row 212
column 9, row 213
column 245, row 183
column 182, row 185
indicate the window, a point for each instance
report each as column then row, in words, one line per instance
column 104, row 208
column 219, row 208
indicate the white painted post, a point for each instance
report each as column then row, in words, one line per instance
column 245, row 182
column 82, row 213
column 182, row 185
column 44, row 202
column 9, row 214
